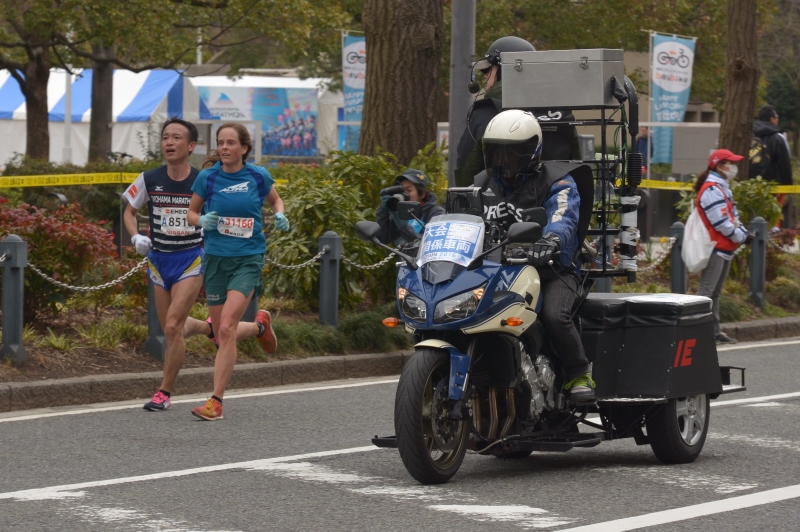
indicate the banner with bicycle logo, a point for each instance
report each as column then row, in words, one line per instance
column 354, row 73
column 671, row 64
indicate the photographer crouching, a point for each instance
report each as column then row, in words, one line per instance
column 411, row 185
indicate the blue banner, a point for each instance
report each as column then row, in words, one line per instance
column 671, row 68
column 354, row 73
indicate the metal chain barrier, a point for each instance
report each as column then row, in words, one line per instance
column 370, row 267
column 86, row 288
column 3, row 257
column 670, row 242
column 312, row 260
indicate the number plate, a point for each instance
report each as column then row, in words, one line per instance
column 237, row 227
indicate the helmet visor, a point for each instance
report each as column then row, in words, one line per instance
column 506, row 161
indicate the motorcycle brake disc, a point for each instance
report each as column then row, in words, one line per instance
column 445, row 431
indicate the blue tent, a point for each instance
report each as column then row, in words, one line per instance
column 141, row 102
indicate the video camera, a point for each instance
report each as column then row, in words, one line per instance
column 397, row 195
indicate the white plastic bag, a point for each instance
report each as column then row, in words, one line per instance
column 697, row 243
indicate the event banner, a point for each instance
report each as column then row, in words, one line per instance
column 288, row 116
column 354, row 73
column 671, row 67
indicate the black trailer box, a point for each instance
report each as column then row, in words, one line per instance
column 650, row 345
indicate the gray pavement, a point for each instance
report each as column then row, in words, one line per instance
column 121, row 387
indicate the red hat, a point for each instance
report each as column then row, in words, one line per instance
column 722, row 155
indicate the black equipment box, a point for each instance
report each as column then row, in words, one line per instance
column 650, row 345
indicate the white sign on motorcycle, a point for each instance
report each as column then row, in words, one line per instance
column 457, row 242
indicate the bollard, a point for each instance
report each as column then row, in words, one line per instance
column 677, row 267
column 329, row 278
column 14, row 255
column 155, row 344
column 758, row 261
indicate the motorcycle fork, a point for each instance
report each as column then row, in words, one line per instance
column 460, row 367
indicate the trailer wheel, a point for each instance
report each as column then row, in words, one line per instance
column 678, row 431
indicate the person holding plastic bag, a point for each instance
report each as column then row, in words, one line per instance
column 717, row 210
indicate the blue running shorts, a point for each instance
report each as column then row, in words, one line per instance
column 166, row 269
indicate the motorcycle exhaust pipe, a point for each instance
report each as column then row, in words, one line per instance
column 476, row 411
column 511, row 413
column 493, row 417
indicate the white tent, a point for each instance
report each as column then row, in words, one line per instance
column 141, row 103
column 212, row 89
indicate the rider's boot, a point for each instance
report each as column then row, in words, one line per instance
column 581, row 389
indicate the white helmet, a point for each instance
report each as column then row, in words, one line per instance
column 512, row 145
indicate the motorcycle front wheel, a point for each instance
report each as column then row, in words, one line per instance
column 431, row 445
column 678, row 430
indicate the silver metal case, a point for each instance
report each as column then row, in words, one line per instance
column 572, row 79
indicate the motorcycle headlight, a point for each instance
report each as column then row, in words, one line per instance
column 411, row 305
column 458, row 307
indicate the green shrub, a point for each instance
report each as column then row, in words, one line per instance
column 731, row 310
column 784, row 292
column 64, row 246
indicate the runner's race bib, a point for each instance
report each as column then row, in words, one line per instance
column 174, row 223
column 237, row 227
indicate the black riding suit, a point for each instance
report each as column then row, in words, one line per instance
column 399, row 232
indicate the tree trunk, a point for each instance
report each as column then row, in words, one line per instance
column 743, row 72
column 102, row 110
column 37, row 75
column 404, row 52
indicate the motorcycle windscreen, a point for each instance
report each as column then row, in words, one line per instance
column 449, row 244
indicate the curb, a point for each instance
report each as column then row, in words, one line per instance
column 126, row 386
column 122, row 387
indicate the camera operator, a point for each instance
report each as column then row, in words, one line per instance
column 411, row 185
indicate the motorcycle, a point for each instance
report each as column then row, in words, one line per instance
column 484, row 378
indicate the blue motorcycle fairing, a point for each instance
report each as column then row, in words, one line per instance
column 494, row 276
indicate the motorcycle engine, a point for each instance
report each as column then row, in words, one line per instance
column 539, row 377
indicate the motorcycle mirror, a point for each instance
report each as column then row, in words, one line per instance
column 535, row 214
column 524, row 232
column 368, row 231
column 409, row 210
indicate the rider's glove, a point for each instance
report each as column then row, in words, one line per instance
column 385, row 200
column 749, row 238
column 142, row 244
column 209, row 221
column 281, row 222
column 543, row 250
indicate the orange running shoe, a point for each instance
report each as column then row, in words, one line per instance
column 211, row 411
column 268, row 340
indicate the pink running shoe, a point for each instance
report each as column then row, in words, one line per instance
column 211, row 335
column 158, row 403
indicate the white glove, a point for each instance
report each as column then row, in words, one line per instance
column 142, row 244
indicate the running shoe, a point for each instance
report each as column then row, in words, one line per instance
column 211, row 335
column 581, row 389
column 211, row 411
column 158, row 403
column 267, row 339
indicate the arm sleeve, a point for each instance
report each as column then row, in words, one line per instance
column 715, row 207
column 563, row 210
column 137, row 193
column 382, row 217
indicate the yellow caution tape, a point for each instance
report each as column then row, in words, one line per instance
column 125, row 178
column 66, row 179
column 676, row 185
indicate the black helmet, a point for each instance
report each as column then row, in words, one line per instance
column 415, row 176
column 503, row 44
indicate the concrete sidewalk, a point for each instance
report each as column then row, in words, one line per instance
column 105, row 388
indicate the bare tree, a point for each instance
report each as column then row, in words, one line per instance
column 743, row 72
column 404, row 51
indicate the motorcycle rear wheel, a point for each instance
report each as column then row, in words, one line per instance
column 432, row 447
column 677, row 432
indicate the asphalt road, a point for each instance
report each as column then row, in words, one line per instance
column 299, row 458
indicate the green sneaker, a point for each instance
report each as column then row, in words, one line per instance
column 581, row 389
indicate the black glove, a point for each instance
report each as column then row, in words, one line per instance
column 543, row 250
column 749, row 238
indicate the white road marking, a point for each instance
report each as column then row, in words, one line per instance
column 683, row 478
column 123, row 518
column 128, row 405
column 748, row 400
column 750, row 345
column 758, row 441
column 522, row 516
column 690, row 512
column 74, row 490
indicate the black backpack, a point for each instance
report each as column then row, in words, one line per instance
column 759, row 158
